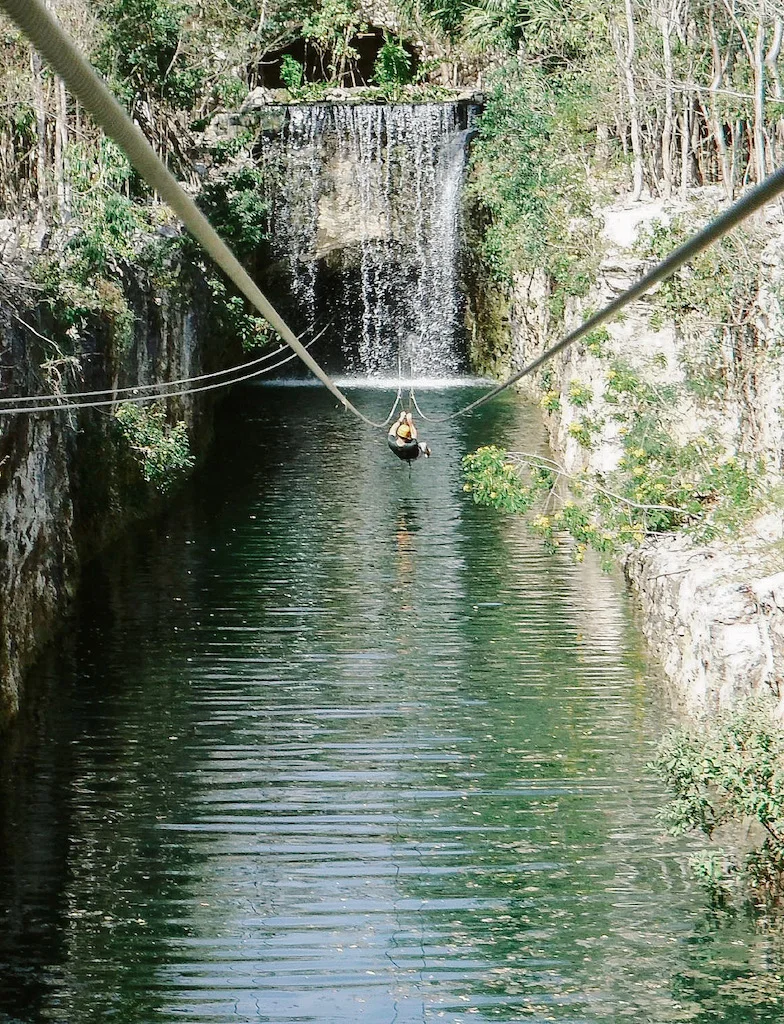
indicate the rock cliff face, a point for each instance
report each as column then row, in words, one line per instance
column 713, row 613
column 67, row 481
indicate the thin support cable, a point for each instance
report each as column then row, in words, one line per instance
column 135, row 389
column 422, row 416
column 140, row 399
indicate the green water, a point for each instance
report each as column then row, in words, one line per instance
column 329, row 743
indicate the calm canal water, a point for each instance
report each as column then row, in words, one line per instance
column 332, row 744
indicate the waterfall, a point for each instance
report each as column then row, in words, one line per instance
column 363, row 202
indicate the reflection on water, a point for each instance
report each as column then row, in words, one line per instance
column 333, row 744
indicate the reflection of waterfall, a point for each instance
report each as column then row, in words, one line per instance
column 364, row 223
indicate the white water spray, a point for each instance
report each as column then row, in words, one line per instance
column 364, row 218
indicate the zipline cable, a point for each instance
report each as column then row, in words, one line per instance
column 715, row 229
column 55, row 45
column 61, row 52
column 139, row 399
column 135, row 389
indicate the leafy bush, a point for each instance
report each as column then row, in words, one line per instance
column 330, row 26
column 393, row 64
column 236, row 208
column 141, row 47
column 492, row 479
column 161, row 451
column 291, row 72
column 659, row 486
column 529, row 188
column 730, row 772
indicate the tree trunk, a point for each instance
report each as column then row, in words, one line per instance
column 685, row 144
column 669, row 120
column 771, row 64
column 60, row 145
column 717, row 120
column 631, row 91
column 39, row 108
column 760, row 161
column 602, row 153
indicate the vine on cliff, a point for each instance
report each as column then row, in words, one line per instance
column 161, row 450
column 529, row 187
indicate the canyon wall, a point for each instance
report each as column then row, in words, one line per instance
column 713, row 612
column 68, row 482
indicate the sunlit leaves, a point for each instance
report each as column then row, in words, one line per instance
column 161, row 450
column 730, row 771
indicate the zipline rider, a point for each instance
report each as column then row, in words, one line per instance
column 402, row 439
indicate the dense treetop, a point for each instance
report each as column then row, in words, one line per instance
column 681, row 91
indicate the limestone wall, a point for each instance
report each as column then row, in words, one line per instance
column 67, row 483
column 713, row 615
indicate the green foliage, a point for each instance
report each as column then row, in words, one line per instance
column 291, row 72
column 585, row 431
column 162, row 451
column 731, row 772
column 83, row 285
column 141, row 48
column 228, row 90
column 293, row 75
column 596, row 342
column 237, row 210
column 720, row 283
column 492, row 479
column 550, row 401
column 330, row 27
column 233, row 316
column 226, row 150
column 659, row 485
column 553, row 31
column 393, row 64
column 530, row 192
column 579, row 394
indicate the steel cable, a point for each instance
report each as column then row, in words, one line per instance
column 54, row 44
column 140, row 399
column 135, row 389
column 61, row 52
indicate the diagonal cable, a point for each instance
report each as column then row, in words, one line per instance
column 61, row 52
column 765, row 192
